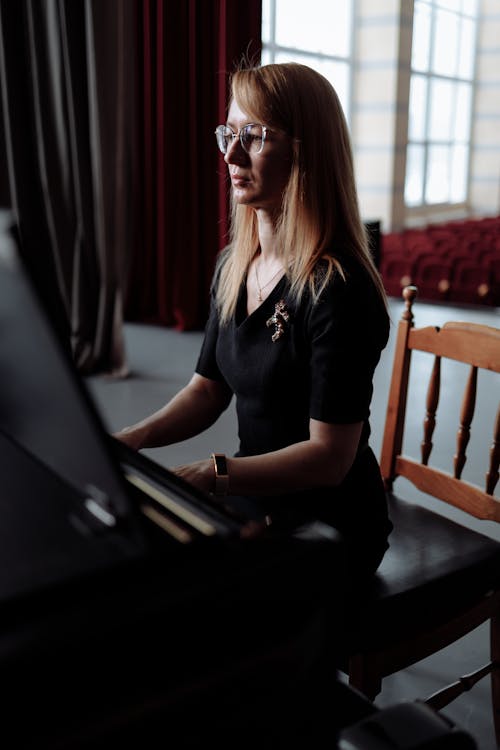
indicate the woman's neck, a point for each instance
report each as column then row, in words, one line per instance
column 267, row 235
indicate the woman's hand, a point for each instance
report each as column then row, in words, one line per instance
column 130, row 437
column 199, row 473
column 194, row 408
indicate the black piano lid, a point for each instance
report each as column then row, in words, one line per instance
column 53, row 425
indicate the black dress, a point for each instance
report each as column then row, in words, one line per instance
column 320, row 365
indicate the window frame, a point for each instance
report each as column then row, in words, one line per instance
column 270, row 48
column 427, row 142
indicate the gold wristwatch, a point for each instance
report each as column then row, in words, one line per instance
column 221, row 475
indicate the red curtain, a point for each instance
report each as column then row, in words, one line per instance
column 186, row 51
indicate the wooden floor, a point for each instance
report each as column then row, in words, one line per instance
column 161, row 361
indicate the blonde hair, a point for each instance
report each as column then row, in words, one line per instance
column 320, row 216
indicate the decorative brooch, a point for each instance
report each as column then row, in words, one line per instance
column 278, row 320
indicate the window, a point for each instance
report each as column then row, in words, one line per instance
column 440, row 105
column 317, row 33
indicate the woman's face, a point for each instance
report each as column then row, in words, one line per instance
column 258, row 180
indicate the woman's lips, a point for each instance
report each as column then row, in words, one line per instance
column 238, row 180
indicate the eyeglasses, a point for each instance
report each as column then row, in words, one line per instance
column 252, row 137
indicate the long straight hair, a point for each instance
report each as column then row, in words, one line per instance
column 320, row 216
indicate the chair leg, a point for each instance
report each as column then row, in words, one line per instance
column 363, row 677
column 495, row 675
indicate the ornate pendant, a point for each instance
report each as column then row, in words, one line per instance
column 278, row 320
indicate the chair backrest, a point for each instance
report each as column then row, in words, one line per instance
column 478, row 346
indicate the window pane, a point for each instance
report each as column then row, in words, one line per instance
column 462, row 119
column 336, row 72
column 467, row 49
column 315, row 25
column 266, row 56
column 418, row 108
column 414, row 175
column 437, row 188
column 449, row 4
column 446, row 41
column 441, row 100
column 459, row 173
column 440, row 104
column 470, row 7
column 266, row 22
column 421, row 37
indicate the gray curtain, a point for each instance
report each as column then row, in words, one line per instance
column 67, row 99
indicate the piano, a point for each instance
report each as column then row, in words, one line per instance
column 134, row 613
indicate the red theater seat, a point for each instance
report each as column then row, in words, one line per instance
column 471, row 283
column 397, row 272
column 435, row 258
column 433, row 278
column 392, row 243
column 493, row 265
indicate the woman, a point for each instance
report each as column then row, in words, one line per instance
column 297, row 324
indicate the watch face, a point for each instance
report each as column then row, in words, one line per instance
column 220, row 464
column 221, row 477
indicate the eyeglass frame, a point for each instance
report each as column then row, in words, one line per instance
column 239, row 135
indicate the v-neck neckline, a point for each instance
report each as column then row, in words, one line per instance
column 242, row 314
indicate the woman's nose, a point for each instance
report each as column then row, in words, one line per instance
column 235, row 153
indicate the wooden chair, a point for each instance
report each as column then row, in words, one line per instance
column 439, row 579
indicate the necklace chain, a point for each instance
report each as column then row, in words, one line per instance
column 261, row 288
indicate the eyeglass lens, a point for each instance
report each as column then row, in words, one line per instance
column 252, row 138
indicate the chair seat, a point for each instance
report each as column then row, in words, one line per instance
column 431, row 570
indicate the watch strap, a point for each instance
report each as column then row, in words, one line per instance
column 221, row 474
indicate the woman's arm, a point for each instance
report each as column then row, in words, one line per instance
column 323, row 460
column 192, row 410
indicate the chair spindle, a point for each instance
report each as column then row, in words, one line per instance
column 431, row 408
column 493, row 474
column 463, row 434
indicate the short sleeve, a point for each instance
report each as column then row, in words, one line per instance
column 347, row 329
column 207, row 362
